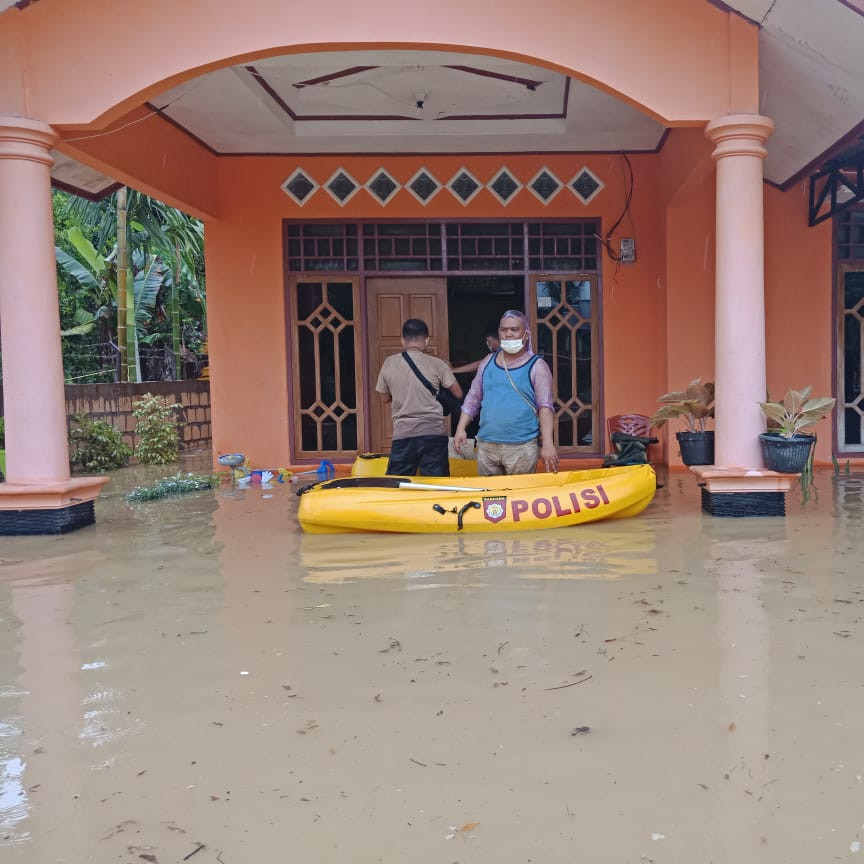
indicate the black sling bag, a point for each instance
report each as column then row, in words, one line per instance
column 449, row 403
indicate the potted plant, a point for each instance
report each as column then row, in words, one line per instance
column 693, row 407
column 784, row 447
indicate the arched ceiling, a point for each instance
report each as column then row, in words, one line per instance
column 811, row 66
column 401, row 102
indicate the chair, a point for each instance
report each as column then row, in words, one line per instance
column 629, row 424
column 629, row 439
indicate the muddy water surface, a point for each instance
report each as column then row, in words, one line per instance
column 195, row 674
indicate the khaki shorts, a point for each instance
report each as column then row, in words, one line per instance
column 495, row 458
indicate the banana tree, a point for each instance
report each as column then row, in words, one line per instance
column 183, row 250
column 97, row 275
column 163, row 233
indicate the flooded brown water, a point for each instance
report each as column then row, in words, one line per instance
column 195, row 674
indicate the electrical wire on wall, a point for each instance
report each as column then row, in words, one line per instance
column 628, row 198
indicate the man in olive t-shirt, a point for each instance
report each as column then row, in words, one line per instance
column 419, row 426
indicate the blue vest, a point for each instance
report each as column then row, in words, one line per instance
column 505, row 417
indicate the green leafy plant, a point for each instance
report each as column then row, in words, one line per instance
column 693, row 406
column 797, row 411
column 2, row 434
column 179, row 484
column 156, row 429
column 96, row 445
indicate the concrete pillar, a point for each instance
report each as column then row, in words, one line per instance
column 39, row 496
column 740, row 288
column 33, row 395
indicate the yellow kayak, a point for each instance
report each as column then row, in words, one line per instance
column 375, row 465
column 437, row 505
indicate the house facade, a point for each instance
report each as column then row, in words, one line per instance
column 636, row 177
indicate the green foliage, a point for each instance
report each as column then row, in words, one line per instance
column 165, row 247
column 2, row 434
column 179, row 484
column 797, row 411
column 96, row 445
column 82, row 328
column 693, row 406
column 156, row 429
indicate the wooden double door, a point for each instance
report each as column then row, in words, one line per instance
column 332, row 343
column 391, row 302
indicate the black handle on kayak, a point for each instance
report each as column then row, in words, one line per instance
column 471, row 505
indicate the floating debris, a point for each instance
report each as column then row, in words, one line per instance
column 180, row 484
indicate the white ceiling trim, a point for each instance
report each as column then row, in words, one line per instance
column 402, row 101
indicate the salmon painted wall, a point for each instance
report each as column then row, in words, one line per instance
column 798, row 280
column 246, row 282
column 624, row 50
column 155, row 157
column 799, row 303
column 12, row 95
column 687, row 176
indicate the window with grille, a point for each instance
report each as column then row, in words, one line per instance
column 404, row 246
column 326, row 368
column 849, row 238
column 850, row 235
column 449, row 247
column 496, row 246
column 563, row 246
column 322, row 246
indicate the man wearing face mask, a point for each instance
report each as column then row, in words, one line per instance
column 513, row 394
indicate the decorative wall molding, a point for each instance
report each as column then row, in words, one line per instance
column 504, row 185
column 424, row 186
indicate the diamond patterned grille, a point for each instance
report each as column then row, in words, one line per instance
column 464, row 186
column 382, row 186
column 299, row 186
column 504, row 186
column 545, row 185
column 585, row 185
column 424, row 185
column 342, row 186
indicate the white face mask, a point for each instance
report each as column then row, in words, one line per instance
column 512, row 346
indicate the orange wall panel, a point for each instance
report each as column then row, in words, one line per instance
column 12, row 96
column 150, row 154
column 246, row 280
column 798, row 302
column 688, row 188
column 247, row 339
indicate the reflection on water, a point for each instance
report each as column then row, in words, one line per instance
column 607, row 551
column 848, row 492
column 196, row 670
column 14, row 800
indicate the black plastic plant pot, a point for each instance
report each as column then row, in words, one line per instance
column 786, row 455
column 697, row 448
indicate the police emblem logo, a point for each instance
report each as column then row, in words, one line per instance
column 495, row 508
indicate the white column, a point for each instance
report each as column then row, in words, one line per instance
column 33, row 393
column 739, row 337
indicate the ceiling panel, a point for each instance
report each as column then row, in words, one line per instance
column 402, row 101
column 79, row 178
column 811, row 68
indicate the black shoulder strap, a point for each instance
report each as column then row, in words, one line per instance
column 423, row 380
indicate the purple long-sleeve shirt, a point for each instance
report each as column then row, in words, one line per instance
column 541, row 381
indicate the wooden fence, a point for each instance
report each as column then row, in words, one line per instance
column 113, row 403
